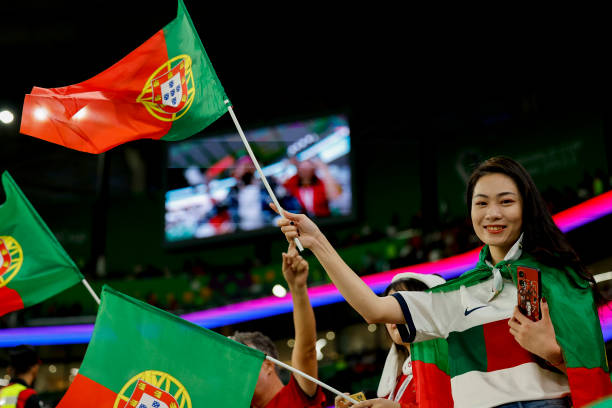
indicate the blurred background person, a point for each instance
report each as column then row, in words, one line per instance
column 247, row 199
column 23, row 369
column 313, row 186
column 246, row 205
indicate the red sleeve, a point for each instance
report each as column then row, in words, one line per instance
column 28, row 398
column 292, row 185
column 292, row 396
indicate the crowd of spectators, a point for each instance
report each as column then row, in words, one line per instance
column 203, row 285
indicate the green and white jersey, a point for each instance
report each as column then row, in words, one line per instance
column 478, row 356
column 487, row 366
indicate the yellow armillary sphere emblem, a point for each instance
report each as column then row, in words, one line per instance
column 153, row 388
column 11, row 259
column 169, row 91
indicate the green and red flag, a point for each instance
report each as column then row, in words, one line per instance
column 141, row 356
column 430, row 363
column 489, row 354
column 165, row 89
column 33, row 264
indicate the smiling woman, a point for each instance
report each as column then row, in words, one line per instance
column 497, row 213
column 487, row 363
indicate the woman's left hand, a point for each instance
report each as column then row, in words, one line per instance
column 536, row 337
column 377, row 403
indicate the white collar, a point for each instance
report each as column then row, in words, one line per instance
column 513, row 254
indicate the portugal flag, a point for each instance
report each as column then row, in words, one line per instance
column 33, row 264
column 141, row 356
column 165, row 89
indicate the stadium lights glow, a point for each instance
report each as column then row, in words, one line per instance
column 319, row 346
column 6, row 117
column 567, row 220
column 279, row 291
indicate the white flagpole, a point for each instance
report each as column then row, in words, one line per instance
column 91, row 291
column 263, row 177
column 314, row 380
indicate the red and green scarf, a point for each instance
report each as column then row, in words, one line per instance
column 577, row 328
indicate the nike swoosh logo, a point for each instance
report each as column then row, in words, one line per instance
column 467, row 312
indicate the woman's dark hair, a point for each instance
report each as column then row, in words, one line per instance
column 400, row 285
column 405, row 284
column 542, row 238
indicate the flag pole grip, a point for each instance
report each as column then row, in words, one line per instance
column 261, row 174
column 91, row 291
column 314, row 380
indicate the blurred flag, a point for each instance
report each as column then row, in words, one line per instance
column 143, row 357
column 165, row 89
column 33, row 264
column 219, row 167
column 430, row 362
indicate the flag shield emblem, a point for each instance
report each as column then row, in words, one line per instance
column 153, row 389
column 169, row 92
column 11, row 259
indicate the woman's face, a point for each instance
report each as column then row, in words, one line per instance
column 306, row 170
column 497, row 212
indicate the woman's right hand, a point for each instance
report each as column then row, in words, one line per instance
column 298, row 226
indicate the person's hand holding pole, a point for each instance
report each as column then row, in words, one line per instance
column 358, row 294
column 298, row 226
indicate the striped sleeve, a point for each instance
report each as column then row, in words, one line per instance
column 428, row 315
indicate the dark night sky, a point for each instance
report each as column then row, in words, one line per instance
column 418, row 67
column 274, row 60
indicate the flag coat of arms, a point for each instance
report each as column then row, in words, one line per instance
column 142, row 357
column 33, row 264
column 165, row 89
column 149, row 396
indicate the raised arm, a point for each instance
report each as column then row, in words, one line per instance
column 332, row 188
column 372, row 308
column 304, row 355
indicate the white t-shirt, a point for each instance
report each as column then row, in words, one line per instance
column 488, row 367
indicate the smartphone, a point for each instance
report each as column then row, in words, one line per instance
column 529, row 291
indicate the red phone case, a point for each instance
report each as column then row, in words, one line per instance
column 529, row 291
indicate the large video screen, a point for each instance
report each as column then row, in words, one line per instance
column 213, row 188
